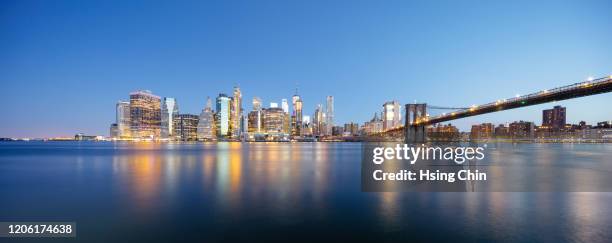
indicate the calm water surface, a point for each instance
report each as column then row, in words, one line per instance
column 292, row 191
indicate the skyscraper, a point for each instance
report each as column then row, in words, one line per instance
column 391, row 115
column 329, row 115
column 256, row 103
column 206, row 123
column 222, row 116
column 255, row 118
column 554, row 118
column 273, row 121
column 296, row 129
column 285, row 106
column 236, row 113
column 114, row 130
column 145, row 114
column 185, row 127
column 169, row 109
column 123, row 119
column 318, row 122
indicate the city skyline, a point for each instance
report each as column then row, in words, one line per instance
column 78, row 63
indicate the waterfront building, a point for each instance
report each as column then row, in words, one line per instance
column 122, row 117
column 351, row 129
column 145, row 114
column 285, row 106
column 375, row 125
column 273, row 121
column 185, row 127
column 391, row 115
column 442, row 132
column 337, row 131
column 296, row 117
column 222, row 116
column 169, row 109
column 236, row 114
column 501, row 131
column 206, row 123
column 257, row 103
column 521, row 129
column 286, row 123
column 114, row 131
column 482, row 131
column 318, row 122
column 255, row 122
column 329, row 115
column 554, row 118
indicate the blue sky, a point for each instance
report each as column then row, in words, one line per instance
column 64, row 64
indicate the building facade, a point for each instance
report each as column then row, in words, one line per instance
column 329, row 115
column 169, row 109
column 222, row 116
column 392, row 116
column 206, row 123
column 554, row 118
column 145, row 114
column 123, row 119
column 236, row 114
column 185, row 127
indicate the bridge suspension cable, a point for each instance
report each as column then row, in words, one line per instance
column 446, row 108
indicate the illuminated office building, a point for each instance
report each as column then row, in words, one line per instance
column 329, row 115
column 114, row 130
column 391, row 115
column 273, row 120
column 145, row 114
column 351, row 129
column 255, row 118
column 296, row 123
column 285, row 106
column 169, row 109
column 318, row 122
column 256, row 103
column 123, row 119
column 375, row 125
column 236, row 114
column 185, row 127
column 206, row 123
column 222, row 116
column 521, row 129
column 482, row 131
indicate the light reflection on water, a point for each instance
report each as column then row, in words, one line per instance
column 278, row 190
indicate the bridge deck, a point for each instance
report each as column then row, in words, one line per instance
column 597, row 86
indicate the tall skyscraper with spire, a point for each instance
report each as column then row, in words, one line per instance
column 296, row 128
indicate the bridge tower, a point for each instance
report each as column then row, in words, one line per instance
column 414, row 127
